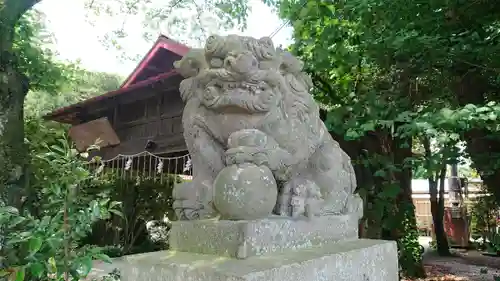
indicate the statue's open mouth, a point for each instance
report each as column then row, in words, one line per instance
column 249, row 97
column 228, row 87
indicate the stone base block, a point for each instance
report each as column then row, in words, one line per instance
column 243, row 239
column 360, row 260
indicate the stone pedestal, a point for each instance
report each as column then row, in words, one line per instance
column 355, row 260
column 243, row 239
column 274, row 249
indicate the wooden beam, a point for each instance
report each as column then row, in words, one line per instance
column 163, row 145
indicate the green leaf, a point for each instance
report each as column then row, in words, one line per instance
column 37, row 269
column 9, row 210
column 20, row 274
column 351, row 135
column 104, row 258
column 34, row 245
column 94, row 206
column 85, row 266
column 4, row 272
column 369, row 126
column 380, row 173
column 16, row 221
column 58, row 149
column 116, row 212
column 52, row 265
column 114, row 203
column 391, row 191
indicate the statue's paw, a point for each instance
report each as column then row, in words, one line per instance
column 186, row 210
column 281, row 163
column 191, row 210
column 192, row 201
column 245, row 154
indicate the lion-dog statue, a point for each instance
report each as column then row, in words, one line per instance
column 241, row 83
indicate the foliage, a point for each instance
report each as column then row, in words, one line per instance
column 145, row 202
column 43, row 246
column 390, row 73
column 36, row 60
column 80, row 86
column 409, row 247
column 362, row 106
column 449, row 54
column 53, row 83
column 192, row 21
column 484, row 212
column 494, row 243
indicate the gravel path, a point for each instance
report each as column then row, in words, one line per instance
column 463, row 265
column 456, row 270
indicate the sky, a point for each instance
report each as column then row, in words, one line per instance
column 78, row 38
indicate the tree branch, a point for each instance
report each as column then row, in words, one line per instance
column 428, row 162
column 10, row 13
column 13, row 10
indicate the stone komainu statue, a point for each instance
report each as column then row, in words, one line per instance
column 255, row 137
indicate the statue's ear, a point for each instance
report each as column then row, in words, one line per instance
column 267, row 41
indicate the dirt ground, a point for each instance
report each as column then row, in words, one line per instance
column 463, row 266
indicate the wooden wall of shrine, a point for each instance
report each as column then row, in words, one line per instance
column 144, row 114
column 149, row 119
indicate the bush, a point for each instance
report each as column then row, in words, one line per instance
column 144, row 203
column 483, row 216
column 41, row 241
column 493, row 245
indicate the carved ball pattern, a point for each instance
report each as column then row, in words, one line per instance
column 245, row 192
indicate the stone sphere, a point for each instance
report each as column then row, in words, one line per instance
column 245, row 192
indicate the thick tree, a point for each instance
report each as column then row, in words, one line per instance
column 435, row 165
column 388, row 72
column 14, row 85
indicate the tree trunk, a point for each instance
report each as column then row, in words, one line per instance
column 14, row 86
column 13, row 89
column 437, row 202
column 437, row 219
column 440, row 213
column 408, row 232
column 437, row 210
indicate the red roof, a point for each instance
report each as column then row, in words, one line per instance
column 67, row 114
column 162, row 42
